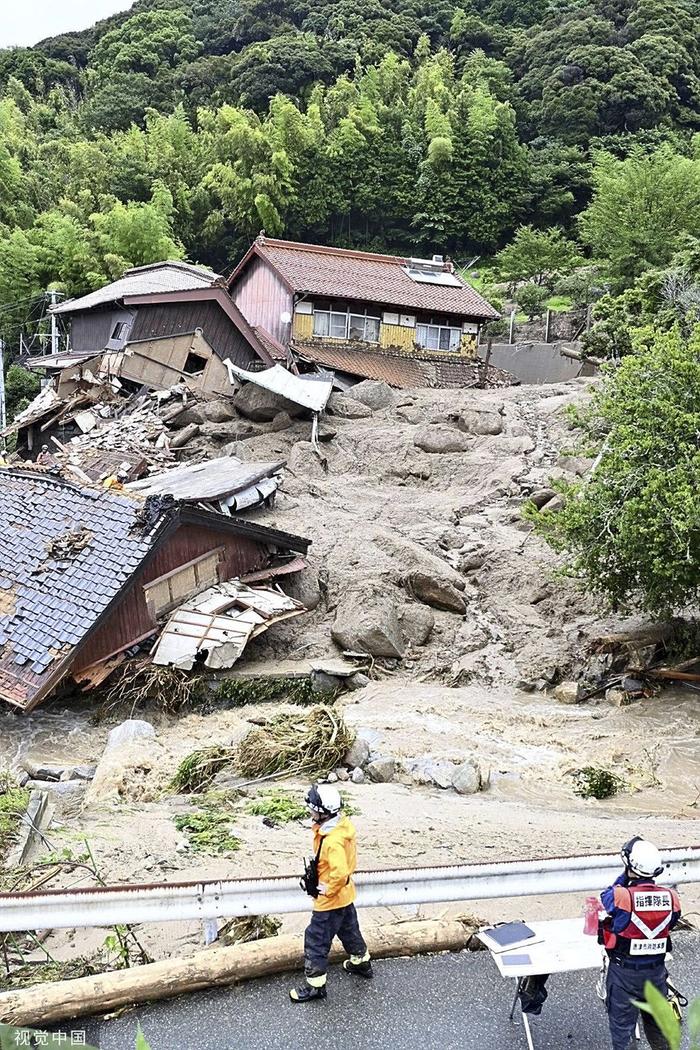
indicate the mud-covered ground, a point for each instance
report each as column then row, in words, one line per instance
column 383, row 509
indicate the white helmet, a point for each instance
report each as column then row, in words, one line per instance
column 642, row 858
column 324, row 801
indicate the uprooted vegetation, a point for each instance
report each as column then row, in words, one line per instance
column 594, row 782
column 312, row 743
column 242, row 691
column 139, row 684
column 208, row 828
column 13, row 802
column 197, row 770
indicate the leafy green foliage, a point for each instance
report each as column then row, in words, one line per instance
column 532, row 299
column 631, row 527
column 13, row 802
column 538, row 256
column 20, row 387
column 594, row 782
column 661, row 1010
column 208, row 829
column 239, row 692
column 280, row 807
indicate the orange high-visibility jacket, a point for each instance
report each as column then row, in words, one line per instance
column 336, row 865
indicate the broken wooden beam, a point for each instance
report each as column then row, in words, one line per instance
column 183, row 436
column 61, row 1000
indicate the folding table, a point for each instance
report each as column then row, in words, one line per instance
column 563, row 948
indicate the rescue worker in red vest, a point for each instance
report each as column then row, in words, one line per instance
column 328, row 880
column 636, row 936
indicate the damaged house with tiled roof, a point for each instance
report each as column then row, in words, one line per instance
column 406, row 321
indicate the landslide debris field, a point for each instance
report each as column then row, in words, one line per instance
column 420, row 556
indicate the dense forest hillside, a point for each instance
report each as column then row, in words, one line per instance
column 563, row 132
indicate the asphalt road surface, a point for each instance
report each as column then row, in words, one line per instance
column 446, row 1002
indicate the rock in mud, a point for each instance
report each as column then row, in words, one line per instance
column 304, row 461
column 436, row 591
column 282, row 421
column 357, row 681
column 342, row 773
column 47, row 771
column 368, row 623
column 381, row 770
column 305, row 587
column 357, row 776
column 417, row 623
column 440, row 439
column 540, row 497
column 556, row 503
column 568, row 693
column 261, row 405
column 373, row 394
column 480, row 421
column 467, row 779
column 218, row 411
column 321, row 682
column 127, row 732
column 358, row 753
column 347, row 407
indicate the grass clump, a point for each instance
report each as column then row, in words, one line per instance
column 312, row 743
column 197, row 771
column 208, row 830
column 241, row 691
column 249, row 928
column 595, row 782
column 47, row 970
column 13, row 803
column 278, row 807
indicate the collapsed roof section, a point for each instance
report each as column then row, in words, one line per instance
column 225, row 484
column 167, row 276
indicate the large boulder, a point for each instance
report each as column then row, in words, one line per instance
column 417, row 622
column 467, row 779
column 480, row 421
column 219, row 411
column 437, row 438
column 368, row 622
column 358, row 753
column 127, row 732
column 437, row 591
column 262, row 406
column 381, row 770
column 305, row 587
column 373, row 394
column 347, row 407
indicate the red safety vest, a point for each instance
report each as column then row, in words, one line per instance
column 651, row 909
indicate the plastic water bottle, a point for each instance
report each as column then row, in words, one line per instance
column 591, row 909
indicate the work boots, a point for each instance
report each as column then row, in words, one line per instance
column 305, row 993
column 360, row 969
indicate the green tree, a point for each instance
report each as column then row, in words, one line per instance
column 630, row 528
column 641, row 209
column 532, row 298
column 540, row 256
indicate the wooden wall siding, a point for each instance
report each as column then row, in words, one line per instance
column 91, row 330
column 262, row 298
column 160, row 363
column 397, row 336
column 162, row 319
column 131, row 619
column 303, row 326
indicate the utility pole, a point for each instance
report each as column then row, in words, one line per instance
column 54, row 323
column 3, row 415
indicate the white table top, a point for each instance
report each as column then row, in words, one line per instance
column 564, row 947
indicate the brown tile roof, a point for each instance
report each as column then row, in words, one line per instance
column 343, row 274
column 401, row 372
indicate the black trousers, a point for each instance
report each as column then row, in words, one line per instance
column 625, row 984
column 324, row 926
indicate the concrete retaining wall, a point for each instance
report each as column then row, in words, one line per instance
column 538, row 362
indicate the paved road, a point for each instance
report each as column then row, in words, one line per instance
column 447, row 1002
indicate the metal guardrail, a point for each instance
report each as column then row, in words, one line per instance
column 175, row 902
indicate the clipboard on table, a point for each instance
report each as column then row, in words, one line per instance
column 507, row 936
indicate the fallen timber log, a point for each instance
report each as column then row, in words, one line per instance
column 55, row 1001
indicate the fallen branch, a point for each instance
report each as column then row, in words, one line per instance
column 61, row 1000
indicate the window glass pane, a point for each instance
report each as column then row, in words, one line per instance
column 422, row 334
column 321, row 323
column 357, row 327
column 433, row 342
column 444, row 338
column 455, row 336
column 339, row 324
column 372, row 330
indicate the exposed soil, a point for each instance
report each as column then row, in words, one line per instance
column 384, row 509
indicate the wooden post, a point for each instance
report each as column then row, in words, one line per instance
column 512, row 327
column 546, row 326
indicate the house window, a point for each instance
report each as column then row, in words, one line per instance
column 194, row 364
column 438, row 336
column 172, row 589
column 120, row 330
column 339, row 321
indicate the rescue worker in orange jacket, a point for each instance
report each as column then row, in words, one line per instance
column 328, row 880
column 636, row 936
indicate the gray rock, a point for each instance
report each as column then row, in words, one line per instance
column 368, row 622
column 59, row 789
column 325, row 683
column 436, row 591
column 347, row 407
column 575, row 464
column 480, row 421
column 556, row 503
column 410, row 414
column 282, row 421
column 332, row 778
column 218, row 411
column 471, row 560
column 357, row 776
column 304, row 461
column 541, row 496
column 358, row 753
column 417, row 622
column 568, row 692
column 191, row 414
column 373, row 394
column 342, row 773
column 132, row 729
column 617, row 697
column 305, row 587
column 357, row 681
column 381, row 770
column 261, row 405
column 83, row 772
column 48, row 771
column 441, row 773
column 438, row 439
column 466, row 779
